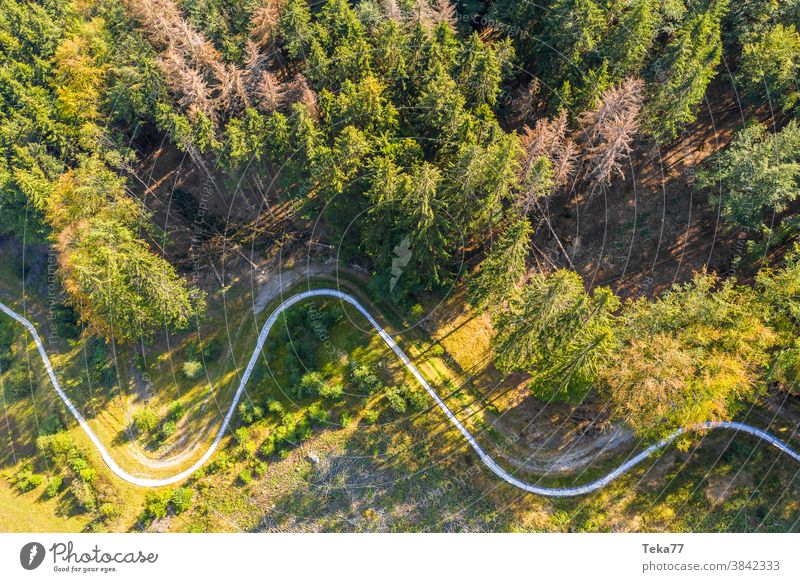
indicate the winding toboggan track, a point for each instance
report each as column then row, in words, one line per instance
column 484, row 456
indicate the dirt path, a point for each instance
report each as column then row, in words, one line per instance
column 571, row 456
column 275, row 282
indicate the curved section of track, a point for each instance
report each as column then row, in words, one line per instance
column 484, row 456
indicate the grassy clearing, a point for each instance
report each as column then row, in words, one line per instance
column 362, row 461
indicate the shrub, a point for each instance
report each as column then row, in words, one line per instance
column 417, row 398
column 83, row 470
column 249, row 412
column 56, row 447
column 53, row 486
column 145, row 421
column 371, row 415
column 212, row 349
column 248, row 449
column 167, row 429
column 51, row 425
column 7, row 334
column 208, row 350
column 310, row 385
column 241, row 435
column 88, row 475
column 267, row 447
column 245, row 476
column 332, row 391
column 260, row 469
column 192, row 369
column 83, row 494
column 221, row 463
column 108, row 511
column 397, row 402
column 365, row 379
column 28, row 481
column 18, row 382
column 100, row 365
column 155, row 506
column 65, row 322
column 78, row 464
column 318, row 414
column 176, row 411
column 302, row 430
column 417, row 311
column 276, row 407
column 181, row 499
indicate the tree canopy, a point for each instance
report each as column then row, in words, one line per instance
column 557, row 332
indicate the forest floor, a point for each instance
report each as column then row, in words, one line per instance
column 652, row 228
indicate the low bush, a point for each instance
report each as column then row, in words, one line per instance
column 155, row 506
column 260, row 469
column 192, row 369
column 416, row 312
column 56, row 448
column 221, row 464
column 7, row 334
column 416, row 397
column 18, row 382
column 332, row 391
column 241, row 435
column 100, row 364
column 51, row 425
column 108, row 511
column 267, row 448
column 249, row 412
column 65, row 322
column 318, row 414
column 397, row 401
column 371, row 415
column 206, row 350
column 84, row 495
column 83, row 470
column 181, row 499
column 275, row 407
column 245, row 477
column 26, row 480
column 403, row 396
column 175, row 411
column 145, row 421
column 167, row 430
column 53, row 486
column 365, row 380
column 310, row 385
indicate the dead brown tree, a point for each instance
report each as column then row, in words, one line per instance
column 187, row 84
column 445, row 11
column 301, row 92
column 609, row 132
column 270, row 93
column 391, row 10
column 264, row 23
column 548, row 138
column 192, row 66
